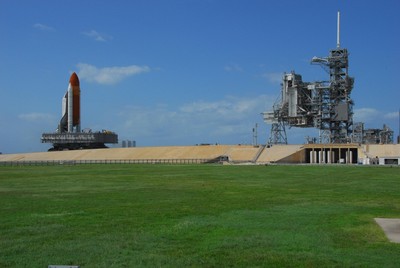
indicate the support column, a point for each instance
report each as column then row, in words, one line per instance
column 312, row 156
column 329, row 155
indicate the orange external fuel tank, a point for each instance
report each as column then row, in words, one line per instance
column 76, row 110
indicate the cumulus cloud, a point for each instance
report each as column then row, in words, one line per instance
column 392, row 115
column 233, row 67
column 98, row 36
column 230, row 107
column 36, row 117
column 225, row 121
column 366, row 115
column 274, row 78
column 108, row 75
column 373, row 117
column 43, row 27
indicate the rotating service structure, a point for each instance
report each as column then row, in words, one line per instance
column 69, row 135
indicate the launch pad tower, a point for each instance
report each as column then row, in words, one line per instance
column 325, row 105
column 334, row 104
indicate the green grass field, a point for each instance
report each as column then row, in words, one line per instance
column 197, row 215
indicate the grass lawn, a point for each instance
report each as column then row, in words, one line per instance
column 197, row 215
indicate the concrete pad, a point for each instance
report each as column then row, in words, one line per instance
column 391, row 227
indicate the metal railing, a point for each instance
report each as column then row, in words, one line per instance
column 113, row 161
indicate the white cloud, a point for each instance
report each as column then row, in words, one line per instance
column 274, row 78
column 37, row 117
column 366, row 115
column 98, row 36
column 392, row 115
column 108, row 75
column 229, row 120
column 230, row 107
column 233, row 67
column 374, row 118
column 43, row 27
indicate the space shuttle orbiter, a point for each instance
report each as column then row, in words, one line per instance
column 71, row 107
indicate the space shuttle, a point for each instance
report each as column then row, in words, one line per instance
column 71, row 108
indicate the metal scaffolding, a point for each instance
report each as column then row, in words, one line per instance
column 325, row 105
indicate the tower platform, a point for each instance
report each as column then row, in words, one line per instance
column 81, row 140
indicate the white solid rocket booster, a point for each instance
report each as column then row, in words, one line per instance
column 70, row 108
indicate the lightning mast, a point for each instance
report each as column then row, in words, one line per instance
column 338, row 31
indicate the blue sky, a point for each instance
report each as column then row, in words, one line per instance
column 184, row 72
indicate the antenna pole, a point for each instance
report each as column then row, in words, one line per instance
column 338, row 30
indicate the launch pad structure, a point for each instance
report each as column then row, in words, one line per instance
column 325, row 105
column 79, row 140
column 69, row 135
